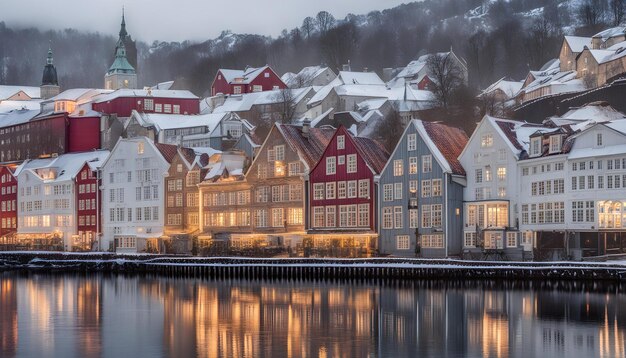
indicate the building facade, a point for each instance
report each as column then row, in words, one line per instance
column 421, row 193
column 229, row 82
column 342, row 194
column 8, row 202
column 133, row 188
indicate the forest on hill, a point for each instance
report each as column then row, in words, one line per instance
column 498, row 38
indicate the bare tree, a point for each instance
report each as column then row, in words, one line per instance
column 286, row 105
column 325, row 21
column 389, row 130
column 308, row 26
column 618, row 11
column 446, row 75
column 590, row 12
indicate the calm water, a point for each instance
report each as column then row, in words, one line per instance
column 68, row 315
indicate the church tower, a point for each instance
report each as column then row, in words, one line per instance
column 121, row 74
column 49, row 81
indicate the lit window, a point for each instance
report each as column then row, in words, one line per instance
column 398, row 168
column 486, row 140
column 140, row 148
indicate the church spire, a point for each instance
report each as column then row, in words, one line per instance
column 50, row 59
column 123, row 32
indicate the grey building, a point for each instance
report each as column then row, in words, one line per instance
column 421, row 193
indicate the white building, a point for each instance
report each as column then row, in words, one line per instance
column 47, row 197
column 491, row 195
column 132, row 185
column 572, row 197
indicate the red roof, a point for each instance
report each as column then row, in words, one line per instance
column 374, row 154
column 168, row 151
column 309, row 147
column 450, row 141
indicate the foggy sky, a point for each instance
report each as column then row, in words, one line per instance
column 178, row 20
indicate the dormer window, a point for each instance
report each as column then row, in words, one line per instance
column 535, row 146
column 555, row 144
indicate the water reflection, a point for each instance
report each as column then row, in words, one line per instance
column 115, row 316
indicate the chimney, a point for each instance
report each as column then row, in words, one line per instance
column 306, row 126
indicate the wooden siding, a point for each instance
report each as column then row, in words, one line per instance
column 318, row 175
column 8, row 198
column 451, row 191
column 90, row 178
column 123, row 106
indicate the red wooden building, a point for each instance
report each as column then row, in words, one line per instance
column 251, row 80
column 342, row 197
column 123, row 101
column 88, row 205
column 8, row 202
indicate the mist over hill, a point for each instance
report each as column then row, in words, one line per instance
column 497, row 38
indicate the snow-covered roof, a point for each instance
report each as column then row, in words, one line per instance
column 610, row 33
column 66, row 166
column 577, row 43
column 610, row 54
column 18, row 116
column 509, row 88
column 125, row 93
column 8, row 91
column 163, row 85
column 598, row 112
column 162, row 121
column 76, row 94
column 360, row 78
column 231, row 163
column 8, row 106
column 244, row 102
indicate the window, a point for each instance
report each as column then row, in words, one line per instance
column 341, row 142
column 294, row 169
column 387, row 218
column 140, row 150
column 436, row 187
column 426, row 188
column 331, row 167
column 599, row 139
column 341, row 190
column 535, row 146
column 261, row 218
column 277, row 217
column 388, row 192
column 502, row 155
column 318, row 191
column 555, row 144
column 411, row 142
column 341, row 160
column 397, row 217
column 158, row 107
column 511, row 238
column 397, row 188
column 486, row 140
column 279, row 151
column 352, row 189
column 478, row 176
column 432, row 241
column 364, row 215
column 148, row 104
column 413, row 165
column 501, row 192
column 257, row 88
column 502, row 173
column 364, row 188
column 398, row 168
column 470, row 239
column 331, row 216
column 330, row 190
column 488, row 173
column 351, row 167
column 426, row 216
column 167, row 108
column 318, row 216
column 427, row 163
column 402, row 242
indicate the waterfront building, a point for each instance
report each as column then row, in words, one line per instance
column 421, row 193
column 58, row 201
column 341, row 196
column 133, row 188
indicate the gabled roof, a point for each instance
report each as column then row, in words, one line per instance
column 168, row 151
column 163, row 121
column 18, row 116
column 445, row 142
column 509, row 88
column 67, row 166
column 360, row 78
column 374, row 154
column 133, row 93
column 243, row 77
column 309, row 147
column 577, row 43
column 9, row 91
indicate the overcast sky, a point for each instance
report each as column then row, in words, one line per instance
column 177, row 20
